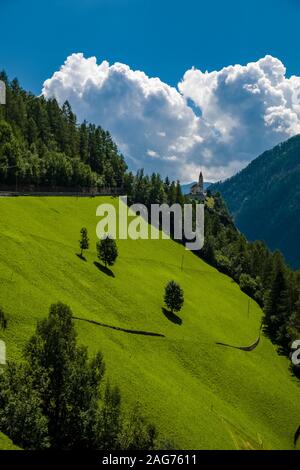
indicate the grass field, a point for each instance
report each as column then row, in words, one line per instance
column 199, row 394
column 6, row 444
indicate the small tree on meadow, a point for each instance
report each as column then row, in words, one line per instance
column 107, row 250
column 173, row 296
column 84, row 240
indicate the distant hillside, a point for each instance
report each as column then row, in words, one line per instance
column 42, row 145
column 185, row 188
column 264, row 199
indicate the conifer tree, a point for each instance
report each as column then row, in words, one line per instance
column 3, row 320
column 84, row 240
column 53, row 398
column 276, row 298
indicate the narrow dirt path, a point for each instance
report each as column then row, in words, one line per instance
column 242, row 348
column 251, row 347
column 124, row 330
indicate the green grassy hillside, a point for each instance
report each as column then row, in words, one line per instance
column 200, row 394
column 6, row 444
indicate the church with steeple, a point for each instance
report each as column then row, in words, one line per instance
column 197, row 189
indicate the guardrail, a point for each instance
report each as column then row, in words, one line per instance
column 6, row 191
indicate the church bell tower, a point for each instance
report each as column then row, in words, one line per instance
column 201, row 188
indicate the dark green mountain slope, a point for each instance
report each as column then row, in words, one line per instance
column 264, row 199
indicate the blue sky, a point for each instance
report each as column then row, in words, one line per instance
column 161, row 37
column 187, row 119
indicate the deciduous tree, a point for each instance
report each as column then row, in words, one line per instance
column 107, row 250
column 173, row 296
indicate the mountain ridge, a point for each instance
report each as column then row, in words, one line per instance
column 264, row 199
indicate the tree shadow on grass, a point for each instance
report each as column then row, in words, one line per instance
column 104, row 269
column 117, row 328
column 81, row 257
column 172, row 316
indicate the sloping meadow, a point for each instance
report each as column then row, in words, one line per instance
column 200, row 394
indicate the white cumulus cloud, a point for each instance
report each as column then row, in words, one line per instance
column 217, row 121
